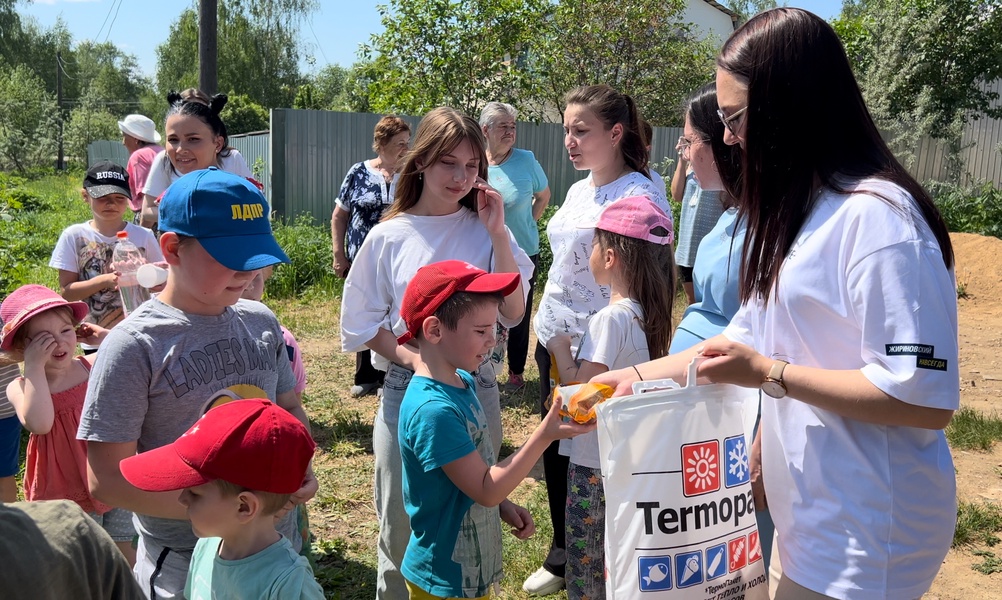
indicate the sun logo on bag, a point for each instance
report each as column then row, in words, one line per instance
column 701, row 468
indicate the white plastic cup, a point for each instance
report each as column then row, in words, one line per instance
column 150, row 276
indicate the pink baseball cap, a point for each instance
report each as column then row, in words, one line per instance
column 27, row 301
column 252, row 443
column 433, row 284
column 637, row 217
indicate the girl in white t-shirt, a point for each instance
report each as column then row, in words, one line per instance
column 848, row 323
column 602, row 135
column 632, row 256
column 443, row 209
column 196, row 139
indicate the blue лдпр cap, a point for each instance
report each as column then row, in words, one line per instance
column 226, row 214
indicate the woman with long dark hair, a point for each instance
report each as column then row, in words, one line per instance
column 848, row 322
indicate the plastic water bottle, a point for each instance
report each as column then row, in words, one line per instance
column 126, row 260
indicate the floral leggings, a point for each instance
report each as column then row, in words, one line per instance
column 585, row 527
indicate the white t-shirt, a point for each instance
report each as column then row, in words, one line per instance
column 863, row 511
column 615, row 339
column 162, row 175
column 390, row 256
column 571, row 296
column 81, row 249
column 659, row 181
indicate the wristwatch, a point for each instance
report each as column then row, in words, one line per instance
column 773, row 384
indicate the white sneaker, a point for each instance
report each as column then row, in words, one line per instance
column 542, row 583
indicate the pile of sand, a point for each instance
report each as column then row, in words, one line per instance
column 979, row 267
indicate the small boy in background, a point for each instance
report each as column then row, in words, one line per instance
column 84, row 251
column 453, row 492
column 238, row 466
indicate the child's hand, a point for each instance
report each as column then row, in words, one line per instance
column 39, row 349
column 92, row 334
column 300, row 496
column 490, row 207
column 555, row 428
column 109, row 281
column 559, row 343
column 519, row 518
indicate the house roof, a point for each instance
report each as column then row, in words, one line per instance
column 735, row 17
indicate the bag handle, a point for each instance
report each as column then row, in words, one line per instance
column 640, row 387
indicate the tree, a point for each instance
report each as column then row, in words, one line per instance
column 28, row 120
column 923, row 64
column 258, row 50
column 747, row 9
column 243, row 115
column 641, row 48
column 460, row 53
column 335, row 88
column 89, row 121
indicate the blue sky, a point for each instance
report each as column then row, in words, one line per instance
column 332, row 36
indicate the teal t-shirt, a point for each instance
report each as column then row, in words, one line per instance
column 275, row 573
column 517, row 179
column 455, row 544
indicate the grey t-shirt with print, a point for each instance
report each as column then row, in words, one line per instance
column 161, row 369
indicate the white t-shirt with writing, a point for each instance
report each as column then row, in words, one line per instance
column 862, row 510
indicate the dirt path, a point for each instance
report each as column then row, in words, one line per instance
column 979, row 475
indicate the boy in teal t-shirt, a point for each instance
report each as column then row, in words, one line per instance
column 453, row 493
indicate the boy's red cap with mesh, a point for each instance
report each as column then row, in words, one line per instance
column 433, row 284
column 251, row 443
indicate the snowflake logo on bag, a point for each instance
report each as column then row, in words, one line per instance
column 737, row 461
column 700, row 468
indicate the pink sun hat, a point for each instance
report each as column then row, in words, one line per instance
column 27, row 301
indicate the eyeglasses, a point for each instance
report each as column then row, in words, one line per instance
column 683, row 146
column 730, row 121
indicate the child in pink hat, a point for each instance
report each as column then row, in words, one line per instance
column 41, row 329
column 631, row 257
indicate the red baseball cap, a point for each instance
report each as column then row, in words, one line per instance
column 433, row 284
column 251, row 443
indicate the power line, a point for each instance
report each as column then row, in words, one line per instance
column 113, row 19
column 319, row 47
column 105, row 21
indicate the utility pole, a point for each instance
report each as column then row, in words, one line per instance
column 59, row 105
column 207, row 70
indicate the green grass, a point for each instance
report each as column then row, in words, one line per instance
column 973, row 430
column 977, row 524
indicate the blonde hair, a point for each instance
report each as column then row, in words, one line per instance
column 439, row 132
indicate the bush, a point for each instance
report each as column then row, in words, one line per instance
column 32, row 215
column 976, row 208
column 545, row 253
column 310, row 249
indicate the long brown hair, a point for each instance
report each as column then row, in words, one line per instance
column 649, row 271
column 613, row 107
column 438, row 133
column 806, row 128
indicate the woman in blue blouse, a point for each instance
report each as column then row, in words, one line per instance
column 367, row 190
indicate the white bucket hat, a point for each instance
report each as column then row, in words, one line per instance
column 140, row 127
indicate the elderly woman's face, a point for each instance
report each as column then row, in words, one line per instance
column 501, row 133
column 397, row 146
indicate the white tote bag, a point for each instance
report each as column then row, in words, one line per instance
column 680, row 518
